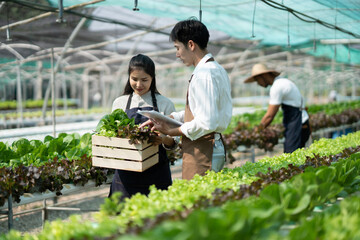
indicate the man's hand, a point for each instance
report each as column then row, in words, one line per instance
column 166, row 129
column 259, row 128
column 147, row 123
column 269, row 115
column 162, row 127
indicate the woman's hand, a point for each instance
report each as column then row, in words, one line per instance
column 156, row 140
column 162, row 139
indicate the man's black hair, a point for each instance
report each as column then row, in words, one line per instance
column 191, row 29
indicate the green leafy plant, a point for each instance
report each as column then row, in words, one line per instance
column 118, row 124
column 109, row 124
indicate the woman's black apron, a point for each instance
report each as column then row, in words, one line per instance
column 130, row 183
column 293, row 127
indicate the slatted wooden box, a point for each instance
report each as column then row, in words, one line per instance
column 118, row 153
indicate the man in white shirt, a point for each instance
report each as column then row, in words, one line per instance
column 208, row 107
column 284, row 93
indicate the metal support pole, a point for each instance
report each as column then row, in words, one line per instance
column 353, row 89
column 85, row 103
column 38, row 81
column 61, row 11
column 4, row 91
column 53, row 104
column 10, row 213
column 63, row 86
column 47, row 93
column 102, row 87
column 252, row 154
column 44, row 213
column 55, row 200
column 19, row 96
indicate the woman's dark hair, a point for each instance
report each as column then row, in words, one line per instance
column 141, row 62
column 190, row 29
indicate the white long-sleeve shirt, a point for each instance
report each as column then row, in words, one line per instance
column 165, row 105
column 209, row 100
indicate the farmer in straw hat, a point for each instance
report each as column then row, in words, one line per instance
column 284, row 93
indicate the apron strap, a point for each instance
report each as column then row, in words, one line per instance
column 210, row 59
column 187, row 92
column 154, row 101
column 129, row 101
column 223, row 142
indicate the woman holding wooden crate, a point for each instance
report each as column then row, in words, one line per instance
column 140, row 93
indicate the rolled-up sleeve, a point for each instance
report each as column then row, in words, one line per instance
column 179, row 116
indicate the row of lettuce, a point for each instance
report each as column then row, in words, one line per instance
column 32, row 104
column 74, row 146
column 33, row 161
column 209, row 206
column 245, row 129
column 281, row 211
column 59, row 113
column 39, row 166
column 251, row 120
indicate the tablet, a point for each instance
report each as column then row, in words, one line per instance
column 154, row 115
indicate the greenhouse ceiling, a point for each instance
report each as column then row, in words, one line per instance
column 315, row 24
column 273, row 22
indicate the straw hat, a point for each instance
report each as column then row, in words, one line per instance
column 259, row 69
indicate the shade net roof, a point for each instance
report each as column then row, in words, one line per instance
column 266, row 20
column 273, row 22
column 288, row 23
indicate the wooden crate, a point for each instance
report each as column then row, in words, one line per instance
column 118, row 153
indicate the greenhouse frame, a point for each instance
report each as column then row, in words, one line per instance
column 63, row 63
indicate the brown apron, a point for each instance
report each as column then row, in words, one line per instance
column 197, row 154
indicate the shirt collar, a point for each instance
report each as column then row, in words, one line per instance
column 203, row 61
column 144, row 96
